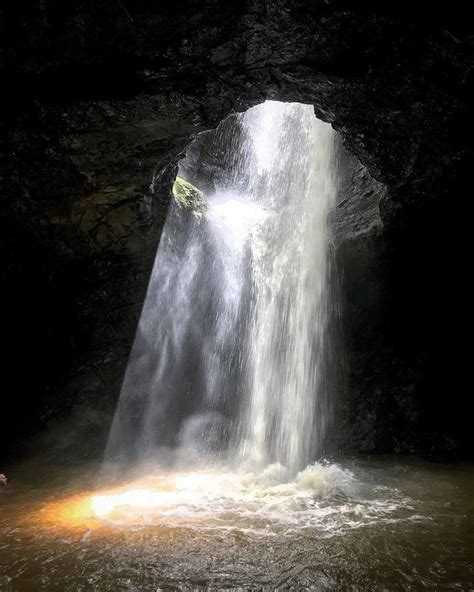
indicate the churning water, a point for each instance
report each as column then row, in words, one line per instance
column 228, row 360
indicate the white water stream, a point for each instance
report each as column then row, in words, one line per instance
column 228, row 357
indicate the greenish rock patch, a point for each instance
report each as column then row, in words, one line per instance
column 189, row 197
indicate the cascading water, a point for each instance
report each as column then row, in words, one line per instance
column 228, row 359
column 284, row 417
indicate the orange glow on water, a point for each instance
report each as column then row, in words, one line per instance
column 117, row 503
column 74, row 511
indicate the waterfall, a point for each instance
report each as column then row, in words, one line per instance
column 228, row 360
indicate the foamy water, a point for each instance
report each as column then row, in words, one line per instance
column 323, row 496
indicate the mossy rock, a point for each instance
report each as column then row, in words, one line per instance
column 189, row 197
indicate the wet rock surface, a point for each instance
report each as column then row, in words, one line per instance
column 103, row 98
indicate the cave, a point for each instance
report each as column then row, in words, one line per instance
column 105, row 101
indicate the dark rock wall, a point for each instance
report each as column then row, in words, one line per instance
column 103, row 96
column 398, row 321
column 358, row 282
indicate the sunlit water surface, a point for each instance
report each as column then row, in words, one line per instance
column 376, row 524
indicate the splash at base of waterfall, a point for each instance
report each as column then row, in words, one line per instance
column 324, row 498
column 222, row 498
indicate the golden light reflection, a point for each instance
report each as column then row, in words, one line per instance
column 87, row 508
column 128, row 502
column 75, row 511
column 134, row 498
column 157, row 494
